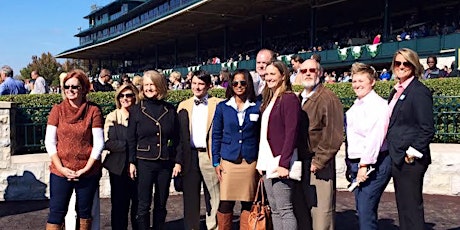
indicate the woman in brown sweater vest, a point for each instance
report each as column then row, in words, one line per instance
column 74, row 140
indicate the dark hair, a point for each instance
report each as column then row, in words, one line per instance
column 202, row 75
column 250, row 92
column 316, row 57
column 435, row 59
column 297, row 58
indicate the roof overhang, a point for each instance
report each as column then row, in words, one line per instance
column 201, row 18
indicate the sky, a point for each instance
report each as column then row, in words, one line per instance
column 33, row 27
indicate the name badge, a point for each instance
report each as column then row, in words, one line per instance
column 253, row 117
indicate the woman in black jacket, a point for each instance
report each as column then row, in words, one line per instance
column 152, row 138
column 123, row 190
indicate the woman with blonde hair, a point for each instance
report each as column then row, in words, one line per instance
column 175, row 78
column 137, row 81
column 410, row 132
column 152, row 140
column 123, row 191
column 367, row 122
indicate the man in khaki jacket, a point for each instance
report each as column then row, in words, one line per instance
column 195, row 117
column 319, row 145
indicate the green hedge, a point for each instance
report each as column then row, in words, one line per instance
column 439, row 87
column 35, row 108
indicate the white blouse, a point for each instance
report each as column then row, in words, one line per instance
column 265, row 157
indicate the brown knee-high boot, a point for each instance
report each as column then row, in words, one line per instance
column 85, row 224
column 224, row 221
column 53, row 226
column 244, row 217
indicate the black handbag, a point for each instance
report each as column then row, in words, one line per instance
column 178, row 183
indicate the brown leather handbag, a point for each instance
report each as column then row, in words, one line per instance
column 260, row 215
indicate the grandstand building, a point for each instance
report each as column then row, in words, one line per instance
column 134, row 35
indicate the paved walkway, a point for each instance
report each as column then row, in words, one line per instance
column 442, row 212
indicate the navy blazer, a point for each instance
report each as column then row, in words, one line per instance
column 411, row 123
column 229, row 139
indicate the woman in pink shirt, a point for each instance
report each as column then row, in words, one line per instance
column 366, row 127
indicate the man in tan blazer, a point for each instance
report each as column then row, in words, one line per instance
column 195, row 118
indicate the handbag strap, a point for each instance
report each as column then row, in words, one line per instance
column 260, row 191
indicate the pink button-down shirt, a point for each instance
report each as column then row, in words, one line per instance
column 399, row 92
column 367, row 124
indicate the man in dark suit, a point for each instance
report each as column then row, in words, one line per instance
column 101, row 84
column 195, row 118
column 410, row 132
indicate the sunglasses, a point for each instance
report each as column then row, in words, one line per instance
column 72, row 87
column 309, row 70
column 405, row 64
column 127, row 95
column 242, row 83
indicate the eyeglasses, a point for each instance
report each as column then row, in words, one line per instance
column 127, row 95
column 405, row 64
column 242, row 83
column 72, row 87
column 309, row 70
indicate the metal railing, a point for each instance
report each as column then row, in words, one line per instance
column 31, row 127
column 31, row 123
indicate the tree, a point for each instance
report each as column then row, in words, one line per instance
column 47, row 66
column 71, row 64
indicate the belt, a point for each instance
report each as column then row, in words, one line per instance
column 199, row 149
column 355, row 160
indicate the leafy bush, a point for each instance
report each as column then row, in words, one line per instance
column 446, row 109
column 439, row 87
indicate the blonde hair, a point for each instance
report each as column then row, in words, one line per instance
column 61, row 83
column 123, row 87
column 137, row 81
column 160, row 84
column 413, row 58
column 267, row 94
column 176, row 75
column 359, row 67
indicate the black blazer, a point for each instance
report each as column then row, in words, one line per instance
column 411, row 123
column 152, row 131
column 184, row 132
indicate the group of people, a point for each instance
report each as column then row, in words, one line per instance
column 257, row 131
column 11, row 86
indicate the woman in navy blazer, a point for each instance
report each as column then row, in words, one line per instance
column 235, row 141
column 278, row 137
column 410, row 132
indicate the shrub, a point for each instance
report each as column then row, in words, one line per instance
column 446, row 109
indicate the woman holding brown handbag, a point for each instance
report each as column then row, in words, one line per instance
column 279, row 127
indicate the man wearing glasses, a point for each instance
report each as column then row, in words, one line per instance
column 319, row 143
column 101, row 84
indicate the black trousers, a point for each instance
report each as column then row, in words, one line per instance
column 123, row 193
column 192, row 181
column 149, row 173
column 408, row 183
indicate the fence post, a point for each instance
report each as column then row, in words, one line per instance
column 7, row 132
